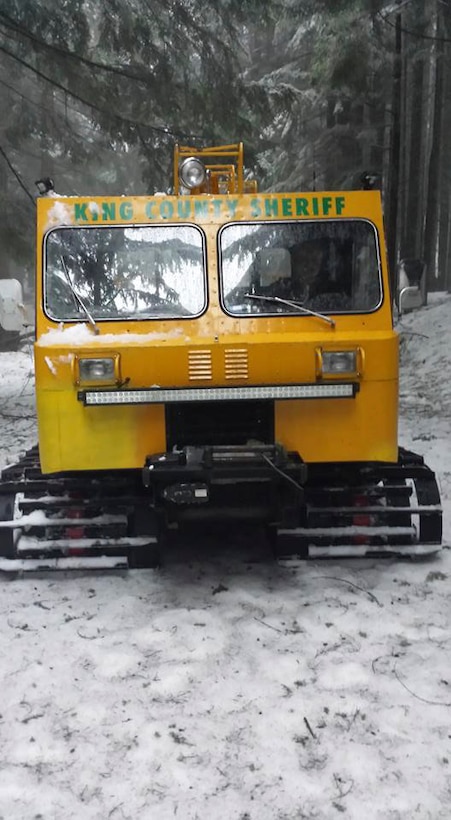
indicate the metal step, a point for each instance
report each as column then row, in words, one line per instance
column 103, row 562
column 39, row 519
column 357, row 531
column 368, row 491
column 28, row 545
column 359, row 551
column 29, row 503
column 379, row 510
column 362, row 550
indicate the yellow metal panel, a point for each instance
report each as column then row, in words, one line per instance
column 116, row 437
column 74, row 437
column 214, row 349
column 203, row 209
column 359, row 429
column 261, row 359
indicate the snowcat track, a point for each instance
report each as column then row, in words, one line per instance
column 372, row 509
column 66, row 521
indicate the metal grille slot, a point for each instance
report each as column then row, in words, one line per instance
column 236, row 363
column 199, row 365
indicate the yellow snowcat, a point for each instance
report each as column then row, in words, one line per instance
column 216, row 354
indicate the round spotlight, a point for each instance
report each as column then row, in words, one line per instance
column 192, row 172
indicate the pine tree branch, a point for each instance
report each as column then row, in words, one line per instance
column 169, row 132
column 8, row 22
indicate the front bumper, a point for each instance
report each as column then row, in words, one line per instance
column 260, row 482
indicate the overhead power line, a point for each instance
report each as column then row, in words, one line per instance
column 8, row 22
column 420, row 35
column 166, row 131
column 17, row 175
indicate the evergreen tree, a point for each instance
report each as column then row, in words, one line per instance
column 98, row 92
column 101, row 91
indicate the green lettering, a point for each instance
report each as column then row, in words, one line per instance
column 201, row 208
column 126, row 210
column 80, row 211
column 271, row 207
column 149, row 210
column 217, row 207
column 301, row 206
column 340, row 203
column 166, row 210
column 315, row 206
column 327, row 204
column 108, row 210
column 232, row 205
column 287, row 207
column 184, row 208
column 255, row 208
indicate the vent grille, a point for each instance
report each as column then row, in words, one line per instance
column 199, row 365
column 236, row 363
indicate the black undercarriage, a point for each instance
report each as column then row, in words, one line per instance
column 118, row 519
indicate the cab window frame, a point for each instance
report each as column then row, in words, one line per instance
column 278, row 310
column 127, row 317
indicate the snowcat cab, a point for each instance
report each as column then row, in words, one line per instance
column 217, row 354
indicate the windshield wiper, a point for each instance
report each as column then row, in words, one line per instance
column 295, row 305
column 78, row 299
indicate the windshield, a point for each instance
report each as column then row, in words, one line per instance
column 148, row 272
column 327, row 266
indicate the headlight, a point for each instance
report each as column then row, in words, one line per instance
column 338, row 362
column 93, row 370
column 192, row 172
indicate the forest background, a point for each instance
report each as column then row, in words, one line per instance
column 95, row 93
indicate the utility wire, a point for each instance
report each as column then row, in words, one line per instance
column 58, row 101
column 126, row 120
column 17, row 175
column 8, row 22
column 417, row 34
column 38, row 104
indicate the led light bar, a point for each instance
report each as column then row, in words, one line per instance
column 168, row 395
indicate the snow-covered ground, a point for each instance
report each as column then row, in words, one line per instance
column 229, row 689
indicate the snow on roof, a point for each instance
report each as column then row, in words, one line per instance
column 59, row 214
